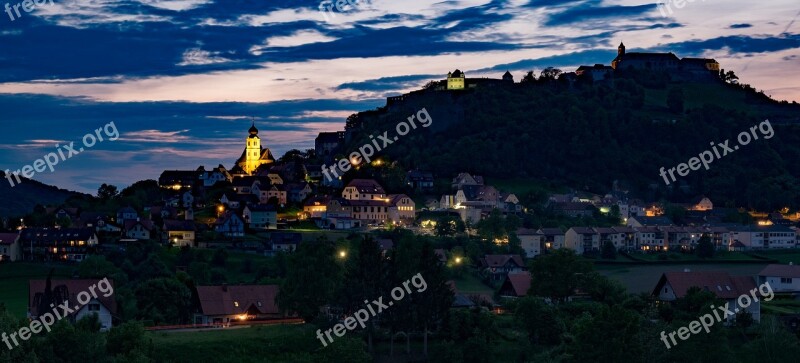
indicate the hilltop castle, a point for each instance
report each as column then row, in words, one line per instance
column 253, row 155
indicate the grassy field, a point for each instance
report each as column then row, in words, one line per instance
column 14, row 282
column 686, row 257
column 281, row 343
column 783, row 256
column 470, row 284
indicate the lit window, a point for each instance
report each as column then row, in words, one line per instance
column 236, row 304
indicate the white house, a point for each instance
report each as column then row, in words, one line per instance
column 754, row 237
column 782, row 278
column 554, row 238
column 68, row 290
column 582, row 239
column 261, row 217
column 531, row 241
column 9, row 247
column 674, row 285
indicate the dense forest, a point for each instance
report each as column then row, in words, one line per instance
column 587, row 135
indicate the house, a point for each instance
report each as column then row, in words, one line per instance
column 402, row 209
column 573, row 209
column 276, row 191
column 229, row 224
column 178, row 232
column 214, row 176
column 316, row 207
column 531, row 241
column 58, row 244
column 285, row 241
column 223, row 305
column 105, row 307
column 298, row 192
column 126, row 213
column 261, row 216
column 465, row 179
column 328, row 144
column 638, row 221
column 701, row 203
column 675, row 285
column 456, row 80
column 236, row 201
column 651, row 239
column 498, row 266
column 368, row 211
column 596, row 73
column 9, row 247
column 784, row 279
column 364, row 189
column 582, row 240
column 554, row 238
column 754, row 237
column 178, row 179
column 420, row 181
column 516, row 284
column 141, row 229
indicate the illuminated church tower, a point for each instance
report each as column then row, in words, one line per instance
column 254, row 155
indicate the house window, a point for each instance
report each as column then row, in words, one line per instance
column 94, row 307
column 785, row 280
column 236, row 304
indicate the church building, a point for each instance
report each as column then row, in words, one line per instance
column 253, row 155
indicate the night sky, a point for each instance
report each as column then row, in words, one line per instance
column 181, row 79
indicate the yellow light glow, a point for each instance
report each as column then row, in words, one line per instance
column 242, row 317
column 343, row 254
column 458, row 260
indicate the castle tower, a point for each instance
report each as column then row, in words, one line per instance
column 621, row 49
column 253, row 151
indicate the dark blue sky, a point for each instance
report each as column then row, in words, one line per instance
column 182, row 78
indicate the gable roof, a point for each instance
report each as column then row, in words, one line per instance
column 8, row 238
column 722, row 284
column 178, row 225
column 223, row 300
column 777, row 270
column 369, row 186
column 517, row 283
column 146, row 223
column 501, row 260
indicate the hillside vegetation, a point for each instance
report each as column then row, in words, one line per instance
column 587, row 136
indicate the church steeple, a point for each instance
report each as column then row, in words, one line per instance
column 621, row 49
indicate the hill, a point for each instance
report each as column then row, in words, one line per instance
column 588, row 135
column 22, row 198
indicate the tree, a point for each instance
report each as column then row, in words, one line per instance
column 106, row 192
column 705, row 248
column 126, row 338
column 314, row 282
column 550, row 74
column 529, row 78
column 540, row 321
column 609, row 252
column 558, row 274
column 675, row 100
column 151, row 296
column 219, row 258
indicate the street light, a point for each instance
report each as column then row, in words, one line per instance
column 458, row 260
column 342, row 254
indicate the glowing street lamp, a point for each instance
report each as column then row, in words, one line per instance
column 342, row 254
column 458, row 260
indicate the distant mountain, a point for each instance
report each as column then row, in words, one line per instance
column 22, row 198
column 587, row 135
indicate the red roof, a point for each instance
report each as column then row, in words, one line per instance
column 722, row 284
column 501, row 260
column 519, row 283
column 223, row 300
column 74, row 287
column 8, row 238
column 776, row 270
column 367, row 186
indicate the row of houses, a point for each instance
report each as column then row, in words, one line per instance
column 219, row 305
column 658, row 238
column 473, row 199
column 362, row 202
